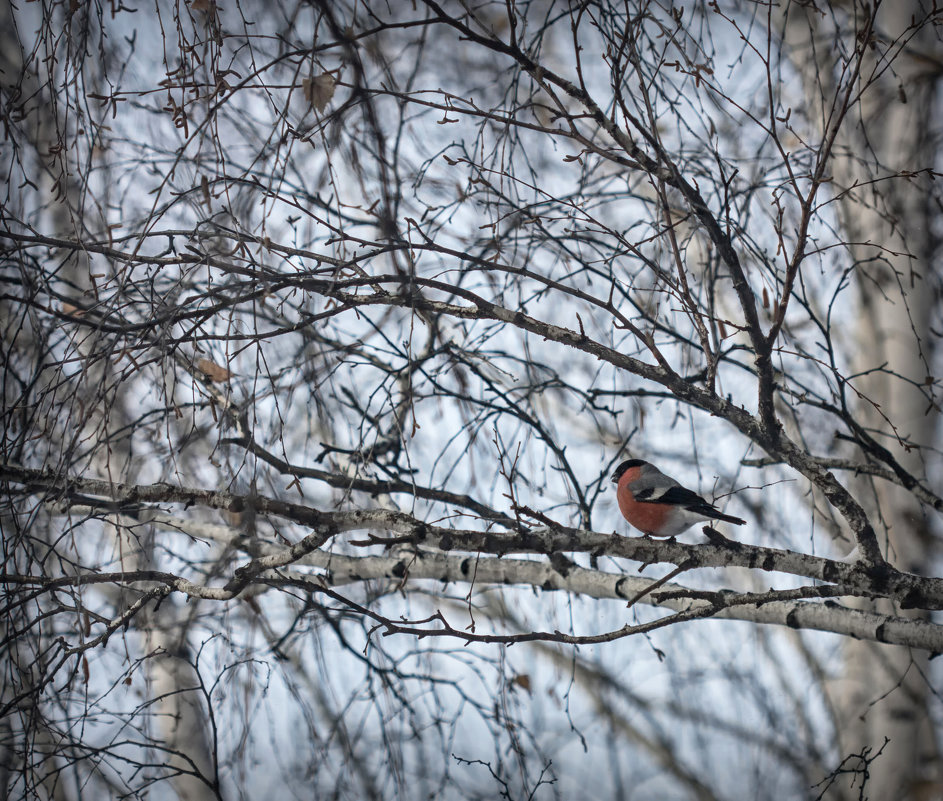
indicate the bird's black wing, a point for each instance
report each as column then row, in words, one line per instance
column 680, row 496
column 674, row 496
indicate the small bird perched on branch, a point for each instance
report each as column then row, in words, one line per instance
column 656, row 504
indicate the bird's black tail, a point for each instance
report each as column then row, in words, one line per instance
column 710, row 511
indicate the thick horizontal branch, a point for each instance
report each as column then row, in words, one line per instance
column 775, row 607
column 849, row 579
column 772, row 607
column 881, row 580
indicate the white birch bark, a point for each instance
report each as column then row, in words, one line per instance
column 179, row 712
column 882, row 692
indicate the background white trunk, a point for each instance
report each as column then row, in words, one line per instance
column 179, row 713
column 882, row 692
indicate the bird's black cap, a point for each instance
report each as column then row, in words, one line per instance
column 628, row 463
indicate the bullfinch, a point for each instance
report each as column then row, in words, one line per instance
column 658, row 505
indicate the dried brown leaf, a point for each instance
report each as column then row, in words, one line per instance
column 205, row 187
column 213, row 371
column 319, row 90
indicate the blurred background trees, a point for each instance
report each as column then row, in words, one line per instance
column 324, row 326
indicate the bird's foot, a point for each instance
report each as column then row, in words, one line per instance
column 656, row 538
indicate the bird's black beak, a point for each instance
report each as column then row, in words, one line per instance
column 614, row 479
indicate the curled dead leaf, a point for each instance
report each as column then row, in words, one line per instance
column 213, row 371
column 319, row 90
column 522, row 680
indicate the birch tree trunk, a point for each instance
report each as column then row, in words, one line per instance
column 179, row 712
column 886, row 216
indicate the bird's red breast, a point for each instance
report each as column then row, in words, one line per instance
column 649, row 518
